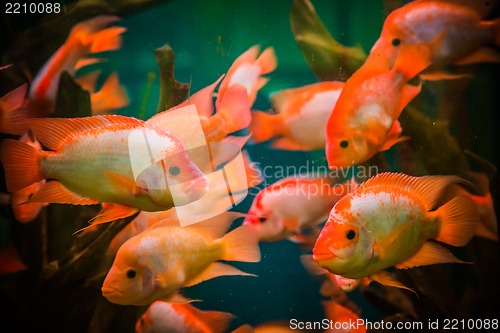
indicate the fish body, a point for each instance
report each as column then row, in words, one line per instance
column 292, row 204
column 23, row 210
column 301, row 111
column 389, row 221
column 364, row 119
column 91, row 162
column 181, row 318
column 87, row 37
column 247, row 70
column 453, row 33
column 158, row 262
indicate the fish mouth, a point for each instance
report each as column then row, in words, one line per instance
column 323, row 256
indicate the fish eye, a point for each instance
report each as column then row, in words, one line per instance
column 174, row 170
column 396, row 41
column 262, row 219
column 344, row 144
column 131, row 273
column 350, row 234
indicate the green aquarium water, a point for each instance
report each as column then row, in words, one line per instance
column 452, row 127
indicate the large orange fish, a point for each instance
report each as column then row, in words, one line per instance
column 365, row 118
column 291, row 205
column 247, row 70
column 104, row 159
column 394, row 220
column 25, row 211
column 301, row 111
column 13, row 111
column 158, row 262
column 87, row 37
column 166, row 317
column 454, row 33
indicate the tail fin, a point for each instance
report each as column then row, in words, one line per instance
column 267, row 61
column 265, row 126
column 488, row 227
column 107, row 40
column 459, row 219
column 241, row 244
column 111, row 96
column 13, row 114
column 21, row 163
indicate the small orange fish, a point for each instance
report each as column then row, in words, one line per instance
column 392, row 220
column 247, row 70
column 13, row 111
column 166, row 317
column 94, row 159
column 25, row 211
column 87, row 37
column 110, row 97
column 301, row 111
column 365, row 118
column 158, row 262
column 291, row 205
column 454, row 33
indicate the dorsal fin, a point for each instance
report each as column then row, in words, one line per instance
column 54, row 132
column 217, row 226
column 428, row 188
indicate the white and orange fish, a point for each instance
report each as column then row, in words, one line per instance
column 182, row 318
column 291, row 205
column 111, row 96
column 454, row 34
column 13, row 111
column 394, row 220
column 25, row 211
column 104, row 159
column 342, row 319
column 365, row 118
column 301, row 111
column 158, row 262
column 88, row 37
column 247, row 70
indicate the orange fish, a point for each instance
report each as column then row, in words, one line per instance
column 110, row 97
column 25, row 211
column 166, row 317
column 291, row 205
column 301, row 111
column 454, row 33
column 392, row 220
column 158, row 262
column 13, row 111
column 104, row 159
column 87, row 37
column 247, row 70
column 365, row 118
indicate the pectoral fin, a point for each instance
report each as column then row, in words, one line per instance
column 386, row 279
column 394, row 136
column 429, row 254
column 123, row 184
column 215, row 270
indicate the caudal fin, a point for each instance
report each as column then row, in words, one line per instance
column 21, row 163
column 13, row 114
column 267, row 61
column 241, row 244
column 459, row 219
column 111, row 96
column 265, row 126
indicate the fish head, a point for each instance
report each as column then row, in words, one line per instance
column 268, row 225
column 174, row 180
column 344, row 246
column 129, row 280
column 145, row 324
column 345, row 149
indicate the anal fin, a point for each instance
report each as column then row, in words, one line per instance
column 215, row 270
column 386, row 279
